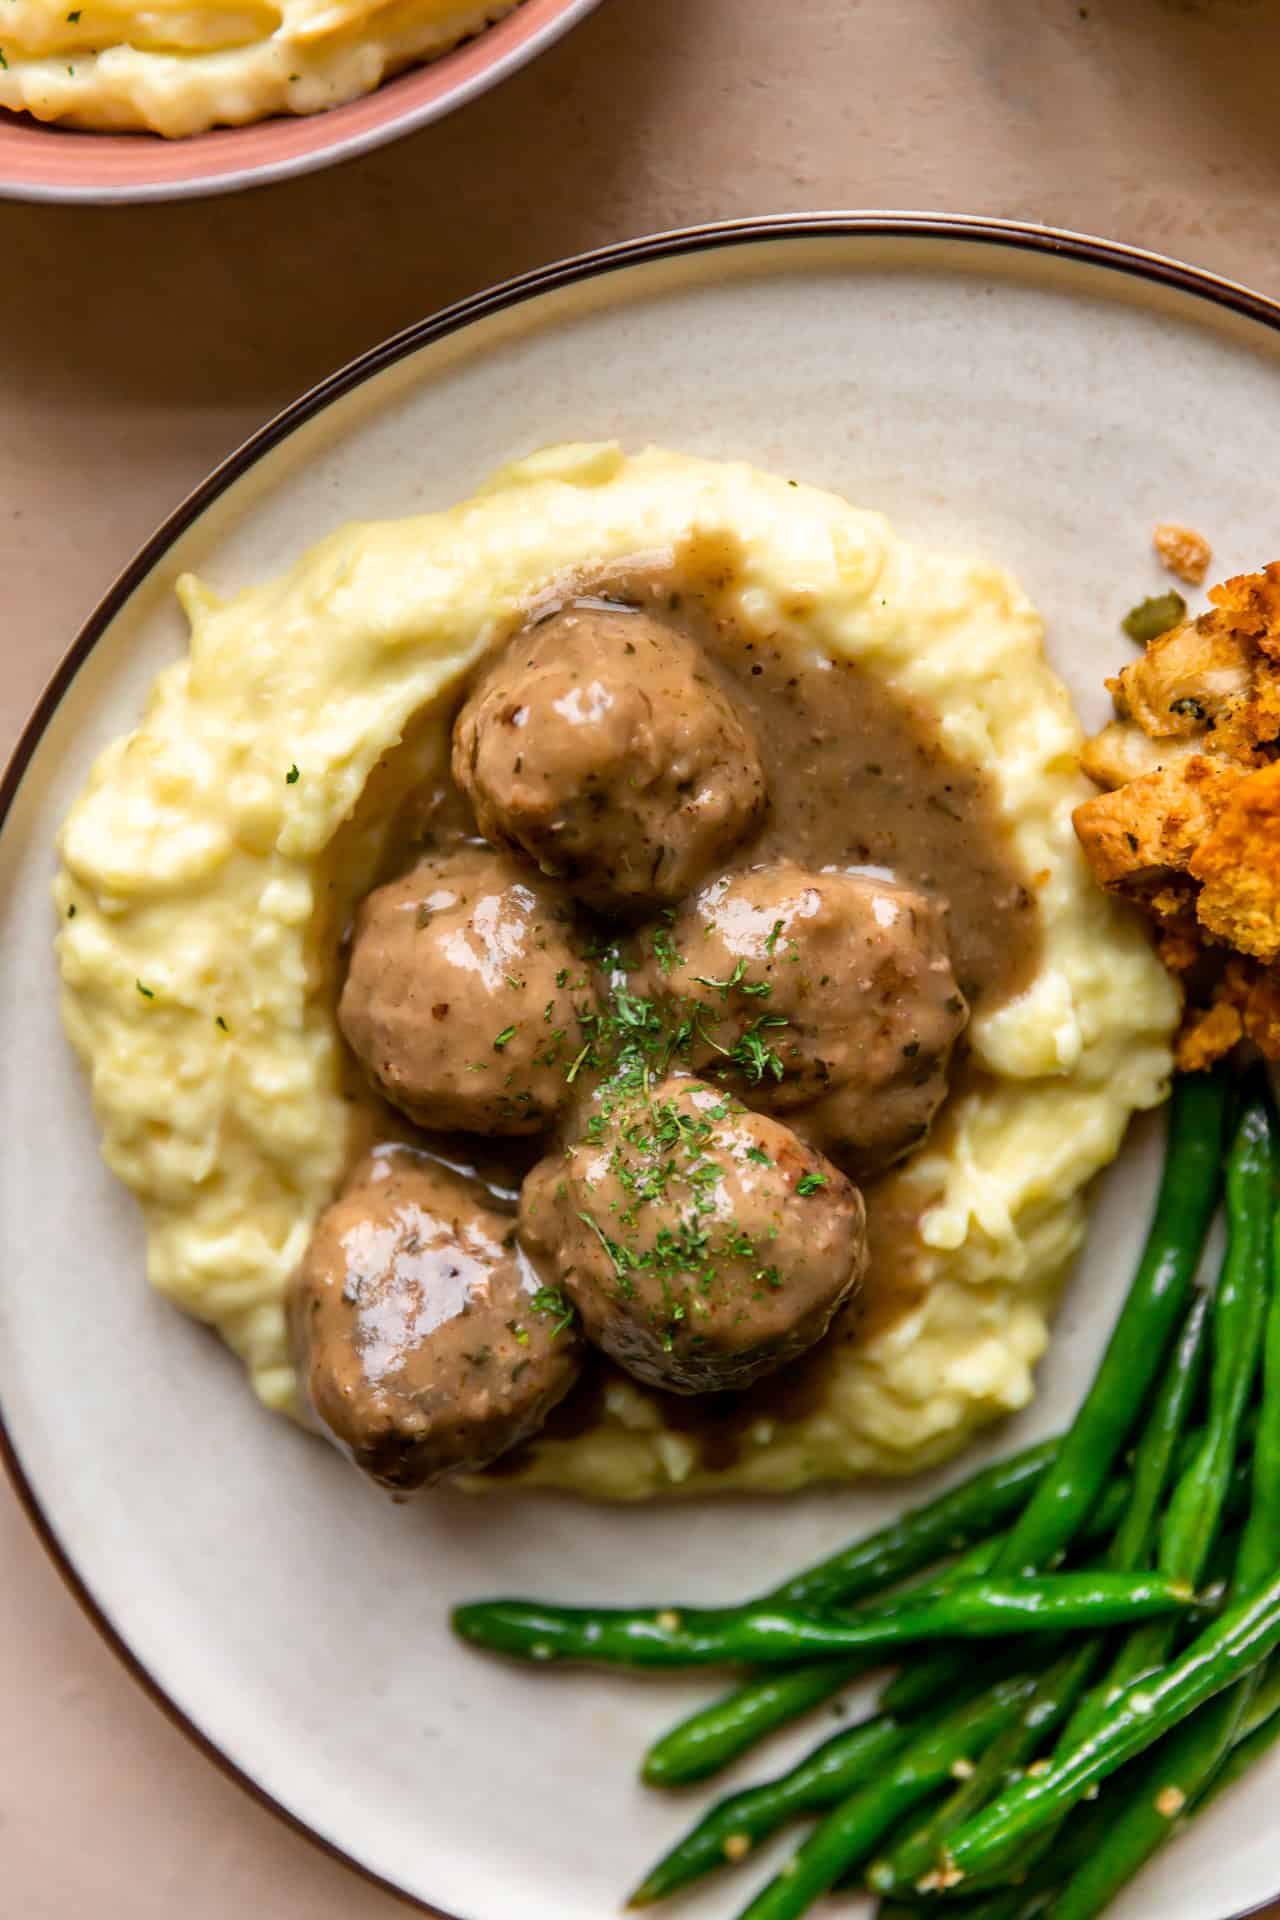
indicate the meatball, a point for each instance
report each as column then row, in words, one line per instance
column 463, row 994
column 424, row 1337
column 600, row 744
column 827, row 996
column 703, row 1245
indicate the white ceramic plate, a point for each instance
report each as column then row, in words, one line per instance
column 1044, row 398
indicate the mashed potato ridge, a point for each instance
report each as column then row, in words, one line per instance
column 218, row 850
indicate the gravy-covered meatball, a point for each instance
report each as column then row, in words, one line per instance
column 463, row 994
column 600, row 744
column 703, row 1245
column 422, row 1333
column 826, row 996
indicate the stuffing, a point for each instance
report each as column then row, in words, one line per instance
column 1183, row 551
column 1188, row 828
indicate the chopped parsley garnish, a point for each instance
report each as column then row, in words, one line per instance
column 148, row 993
column 292, row 778
column 500, row 1039
column 760, row 1157
column 772, row 941
column 810, row 1182
column 220, row 1022
column 554, row 1302
column 753, row 1055
column 664, row 951
column 562, row 976
column 736, row 981
column 71, row 911
column 3, row 62
column 514, row 984
column 73, row 19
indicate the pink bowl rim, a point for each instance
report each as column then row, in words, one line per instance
column 320, row 139
column 975, row 230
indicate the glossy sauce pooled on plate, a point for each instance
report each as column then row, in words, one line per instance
column 802, row 780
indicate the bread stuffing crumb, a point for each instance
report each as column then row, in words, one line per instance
column 1183, row 551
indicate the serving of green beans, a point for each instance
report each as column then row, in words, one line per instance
column 981, row 1771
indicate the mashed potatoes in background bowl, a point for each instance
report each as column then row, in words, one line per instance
column 239, row 93
column 218, row 849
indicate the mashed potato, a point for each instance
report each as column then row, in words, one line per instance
column 218, row 849
column 182, row 66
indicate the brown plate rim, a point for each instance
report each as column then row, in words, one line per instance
column 1136, row 262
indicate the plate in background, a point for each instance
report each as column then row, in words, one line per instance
column 50, row 162
column 1041, row 397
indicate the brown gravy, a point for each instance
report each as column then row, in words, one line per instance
column 858, row 776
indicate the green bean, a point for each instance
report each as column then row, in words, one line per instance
column 1155, row 1302
column 1059, row 1690
column 707, row 1740
column 768, row 1636
column 1260, row 1548
column 850, row 1832
column 1234, row 1644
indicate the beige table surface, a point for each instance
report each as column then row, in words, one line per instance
column 140, row 345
